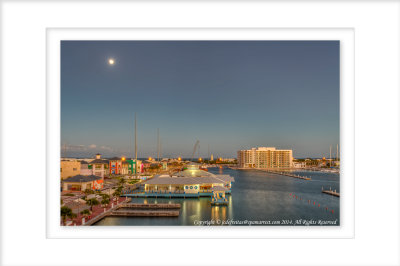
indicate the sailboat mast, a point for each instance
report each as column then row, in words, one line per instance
column 337, row 152
column 158, row 144
column 135, row 149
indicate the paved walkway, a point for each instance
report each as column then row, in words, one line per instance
column 97, row 210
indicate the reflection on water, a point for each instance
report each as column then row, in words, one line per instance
column 257, row 196
column 218, row 213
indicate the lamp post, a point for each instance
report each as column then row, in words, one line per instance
column 80, row 181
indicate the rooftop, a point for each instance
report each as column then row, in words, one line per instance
column 219, row 188
column 100, row 161
column 193, row 170
column 163, row 180
column 82, row 178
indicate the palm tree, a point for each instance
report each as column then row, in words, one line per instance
column 86, row 213
column 88, row 191
column 117, row 193
column 106, row 200
column 66, row 212
column 92, row 202
column 105, row 196
column 121, row 181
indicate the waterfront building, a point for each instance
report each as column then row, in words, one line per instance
column 99, row 166
column 192, row 180
column 69, row 168
column 265, row 157
column 299, row 164
column 82, row 182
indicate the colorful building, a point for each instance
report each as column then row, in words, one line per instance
column 128, row 167
column 115, row 166
column 69, row 168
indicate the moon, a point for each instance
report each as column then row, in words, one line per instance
column 111, row 61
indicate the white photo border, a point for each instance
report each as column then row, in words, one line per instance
column 23, row 225
column 346, row 38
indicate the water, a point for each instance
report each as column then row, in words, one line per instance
column 257, row 197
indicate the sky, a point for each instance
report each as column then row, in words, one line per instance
column 228, row 95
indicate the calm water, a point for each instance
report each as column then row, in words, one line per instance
column 256, row 196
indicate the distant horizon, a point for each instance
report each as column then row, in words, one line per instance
column 187, row 159
column 228, row 95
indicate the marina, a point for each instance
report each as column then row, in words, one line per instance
column 255, row 195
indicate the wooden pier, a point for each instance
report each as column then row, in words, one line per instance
column 289, row 174
column 139, row 210
column 146, row 213
column 150, row 206
column 330, row 192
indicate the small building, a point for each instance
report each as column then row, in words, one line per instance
column 125, row 167
column 86, row 168
column 82, row 182
column 70, row 168
column 299, row 164
column 115, row 166
column 128, row 167
column 99, row 166
column 77, row 206
column 218, row 197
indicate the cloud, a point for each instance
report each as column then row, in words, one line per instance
column 92, row 146
column 106, row 148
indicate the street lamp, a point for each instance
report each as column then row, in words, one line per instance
column 80, row 181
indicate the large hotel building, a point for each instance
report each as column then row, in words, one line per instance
column 265, row 157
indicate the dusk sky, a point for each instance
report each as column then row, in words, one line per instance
column 229, row 95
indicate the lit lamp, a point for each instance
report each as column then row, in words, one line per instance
column 123, row 158
column 150, row 158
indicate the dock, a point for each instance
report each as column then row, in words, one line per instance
column 150, row 206
column 330, row 192
column 170, row 195
column 139, row 210
column 289, row 174
column 145, row 213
